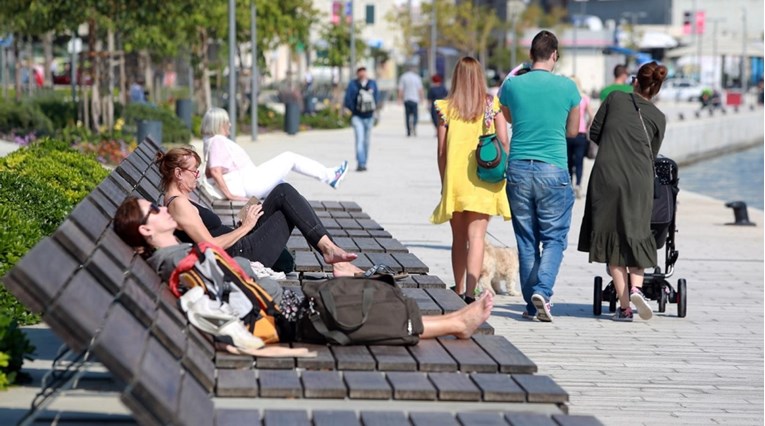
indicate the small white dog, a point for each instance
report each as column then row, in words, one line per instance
column 499, row 265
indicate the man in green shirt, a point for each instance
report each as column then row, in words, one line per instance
column 620, row 82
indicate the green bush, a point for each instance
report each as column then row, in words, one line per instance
column 23, row 118
column 327, row 118
column 14, row 349
column 62, row 112
column 173, row 129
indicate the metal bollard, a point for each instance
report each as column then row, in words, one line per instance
column 150, row 128
column 740, row 214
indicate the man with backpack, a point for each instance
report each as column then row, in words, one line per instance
column 361, row 99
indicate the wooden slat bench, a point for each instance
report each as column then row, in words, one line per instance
column 104, row 301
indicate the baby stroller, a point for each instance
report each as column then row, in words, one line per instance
column 663, row 226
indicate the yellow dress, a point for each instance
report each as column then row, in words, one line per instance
column 462, row 189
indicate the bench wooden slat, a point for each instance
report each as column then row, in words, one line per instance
column 236, row 383
column 225, row 360
column 347, row 244
column 350, row 206
column 83, row 290
column 120, row 343
column 569, row 420
column 73, row 240
column 446, row 299
column 105, row 205
column 337, row 233
column 383, row 418
column 363, row 262
column 89, row 219
column 298, row 243
column 359, row 215
column 323, row 384
column 529, row 419
column 469, row 355
column 358, row 233
column 507, row 355
column 367, row 385
column 347, row 223
column 236, row 417
column 393, row 358
column 201, row 367
column 411, row 263
column 285, row 418
column 498, row 387
column 429, row 281
column 330, row 223
column 407, row 282
column 424, row 302
column 432, row 419
column 106, row 271
column 353, row 358
column 339, row 214
column 43, row 280
column 139, row 303
column 391, row 245
column 332, row 205
column 306, row 261
column 120, row 252
column 195, row 405
column 158, row 381
column 483, row 419
column 455, row 387
column 279, row 384
column 368, row 245
column 323, row 213
column 409, row 385
column 384, row 259
column 323, row 360
column 129, row 172
column 369, row 224
column 275, row 363
column 335, row 418
column 379, row 233
column 541, row 388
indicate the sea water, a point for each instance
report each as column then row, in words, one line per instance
column 731, row 177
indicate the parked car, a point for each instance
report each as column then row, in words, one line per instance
column 65, row 77
column 680, row 89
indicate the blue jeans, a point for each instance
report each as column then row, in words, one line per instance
column 541, row 201
column 361, row 129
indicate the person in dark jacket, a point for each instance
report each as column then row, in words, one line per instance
column 437, row 91
column 361, row 99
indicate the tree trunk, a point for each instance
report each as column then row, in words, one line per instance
column 109, row 104
column 47, row 40
column 94, row 47
column 30, row 67
column 202, row 91
column 123, row 76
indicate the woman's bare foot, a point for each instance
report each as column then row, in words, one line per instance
column 345, row 269
column 274, row 351
column 475, row 314
column 335, row 254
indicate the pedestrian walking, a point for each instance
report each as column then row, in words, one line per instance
column 411, row 94
column 543, row 109
column 577, row 146
column 467, row 202
column 436, row 91
column 616, row 228
column 620, row 83
column 361, row 99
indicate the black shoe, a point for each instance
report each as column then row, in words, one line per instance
column 469, row 300
column 361, row 169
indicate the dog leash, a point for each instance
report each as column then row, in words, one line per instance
column 497, row 239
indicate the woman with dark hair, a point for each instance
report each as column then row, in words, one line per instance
column 437, row 91
column 616, row 228
column 150, row 230
column 266, row 227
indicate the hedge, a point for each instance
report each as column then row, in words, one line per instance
column 23, row 118
column 39, row 187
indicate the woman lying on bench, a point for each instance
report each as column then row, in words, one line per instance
column 150, row 230
column 266, row 227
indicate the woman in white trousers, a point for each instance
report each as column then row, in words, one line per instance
column 238, row 178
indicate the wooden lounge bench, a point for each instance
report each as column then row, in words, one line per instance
column 103, row 300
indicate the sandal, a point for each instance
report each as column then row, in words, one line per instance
column 378, row 270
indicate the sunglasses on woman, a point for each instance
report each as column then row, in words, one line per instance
column 153, row 209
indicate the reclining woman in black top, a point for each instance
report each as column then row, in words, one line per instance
column 150, row 230
column 264, row 231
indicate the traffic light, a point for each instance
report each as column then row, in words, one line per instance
column 687, row 23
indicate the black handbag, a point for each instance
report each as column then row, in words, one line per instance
column 358, row 311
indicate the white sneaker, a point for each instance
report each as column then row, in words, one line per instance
column 638, row 299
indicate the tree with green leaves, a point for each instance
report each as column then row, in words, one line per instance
column 334, row 48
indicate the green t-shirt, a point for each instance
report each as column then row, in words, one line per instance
column 539, row 103
column 627, row 88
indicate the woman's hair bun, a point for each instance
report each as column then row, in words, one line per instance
column 659, row 73
column 159, row 157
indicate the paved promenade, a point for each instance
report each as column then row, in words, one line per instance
column 704, row 369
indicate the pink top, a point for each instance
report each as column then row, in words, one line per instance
column 220, row 151
column 583, row 113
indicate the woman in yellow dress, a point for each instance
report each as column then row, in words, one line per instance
column 466, row 201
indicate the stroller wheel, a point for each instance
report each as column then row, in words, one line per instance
column 662, row 299
column 597, row 300
column 611, row 297
column 682, row 294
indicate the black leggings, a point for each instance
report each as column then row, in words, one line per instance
column 283, row 210
column 577, row 148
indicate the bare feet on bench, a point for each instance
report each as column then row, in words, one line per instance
column 345, row 269
column 475, row 314
column 269, row 351
column 332, row 253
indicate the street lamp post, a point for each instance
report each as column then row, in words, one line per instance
column 353, row 43
column 254, row 72
column 232, row 66
column 582, row 7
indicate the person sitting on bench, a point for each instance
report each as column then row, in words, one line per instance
column 266, row 227
column 150, row 230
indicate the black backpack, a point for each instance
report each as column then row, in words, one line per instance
column 365, row 100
